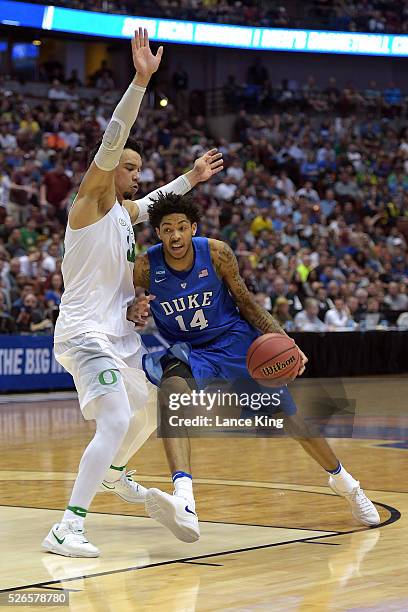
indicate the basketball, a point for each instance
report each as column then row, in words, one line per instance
column 273, row 358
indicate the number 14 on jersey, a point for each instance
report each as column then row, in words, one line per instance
column 198, row 320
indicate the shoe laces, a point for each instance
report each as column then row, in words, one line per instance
column 128, row 480
column 361, row 499
column 76, row 528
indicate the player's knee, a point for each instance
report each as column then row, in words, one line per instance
column 120, row 425
column 113, row 412
column 296, row 427
column 174, row 384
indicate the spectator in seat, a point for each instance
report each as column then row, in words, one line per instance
column 55, row 190
column 281, row 313
column 49, row 263
column 371, row 318
column 7, row 323
column 29, row 234
column 14, row 245
column 30, row 317
column 57, row 91
column 394, row 300
column 236, row 170
column 308, row 193
column 324, row 303
column 338, row 318
column 307, row 320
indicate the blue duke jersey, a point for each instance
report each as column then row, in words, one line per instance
column 192, row 306
column 196, row 314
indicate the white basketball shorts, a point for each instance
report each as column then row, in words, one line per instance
column 97, row 362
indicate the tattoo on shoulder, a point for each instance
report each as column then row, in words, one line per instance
column 222, row 257
column 142, row 272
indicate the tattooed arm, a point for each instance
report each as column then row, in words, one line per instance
column 141, row 273
column 138, row 311
column 226, row 266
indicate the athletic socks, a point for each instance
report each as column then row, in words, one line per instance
column 343, row 480
column 75, row 512
column 114, row 473
column 183, row 485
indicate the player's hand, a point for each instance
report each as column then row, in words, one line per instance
column 138, row 312
column 143, row 59
column 304, row 361
column 208, row 165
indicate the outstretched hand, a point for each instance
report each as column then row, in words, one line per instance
column 208, row 165
column 145, row 62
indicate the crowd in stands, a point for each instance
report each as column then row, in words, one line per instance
column 378, row 16
column 310, row 206
column 256, row 93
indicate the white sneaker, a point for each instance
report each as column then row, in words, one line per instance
column 68, row 539
column 174, row 513
column 126, row 488
column 362, row 508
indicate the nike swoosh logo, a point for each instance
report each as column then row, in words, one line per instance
column 160, row 280
column 187, row 509
column 106, row 487
column 57, row 538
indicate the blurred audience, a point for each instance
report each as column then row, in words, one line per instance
column 313, row 207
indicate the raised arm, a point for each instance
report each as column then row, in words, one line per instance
column 204, row 168
column 96, row 194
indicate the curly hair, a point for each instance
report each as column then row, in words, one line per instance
column 169, row 203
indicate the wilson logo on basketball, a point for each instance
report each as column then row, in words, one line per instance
column 278, row 367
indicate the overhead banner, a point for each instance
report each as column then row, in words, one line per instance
column 27, row 363
column 91, row 23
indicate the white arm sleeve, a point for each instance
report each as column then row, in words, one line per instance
column 180, row 186
column 118, row 130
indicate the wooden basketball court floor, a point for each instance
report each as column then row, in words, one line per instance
column 274, row 537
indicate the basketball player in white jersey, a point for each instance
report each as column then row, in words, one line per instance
column 93, row 339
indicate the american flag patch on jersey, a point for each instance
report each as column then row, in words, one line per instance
column 203, row 273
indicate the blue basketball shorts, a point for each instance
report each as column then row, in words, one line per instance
column 223, row 359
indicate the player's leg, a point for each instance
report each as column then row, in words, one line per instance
column 178, row 450
column 112, row 415
column 142, row 424
column 177, row 511
column 340, row 480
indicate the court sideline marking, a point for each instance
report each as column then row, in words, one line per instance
column 395, row 515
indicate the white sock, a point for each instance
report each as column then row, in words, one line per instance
column 183, row 486
column 68, row 515
column 343, row 480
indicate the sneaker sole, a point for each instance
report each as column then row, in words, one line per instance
column 163, row 511
column 59, row 550
column 357, row 518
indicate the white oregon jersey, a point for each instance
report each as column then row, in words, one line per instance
column 98, row 277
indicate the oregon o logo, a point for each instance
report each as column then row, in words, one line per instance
column 108, row 377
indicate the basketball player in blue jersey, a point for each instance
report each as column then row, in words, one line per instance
column 204, row 310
